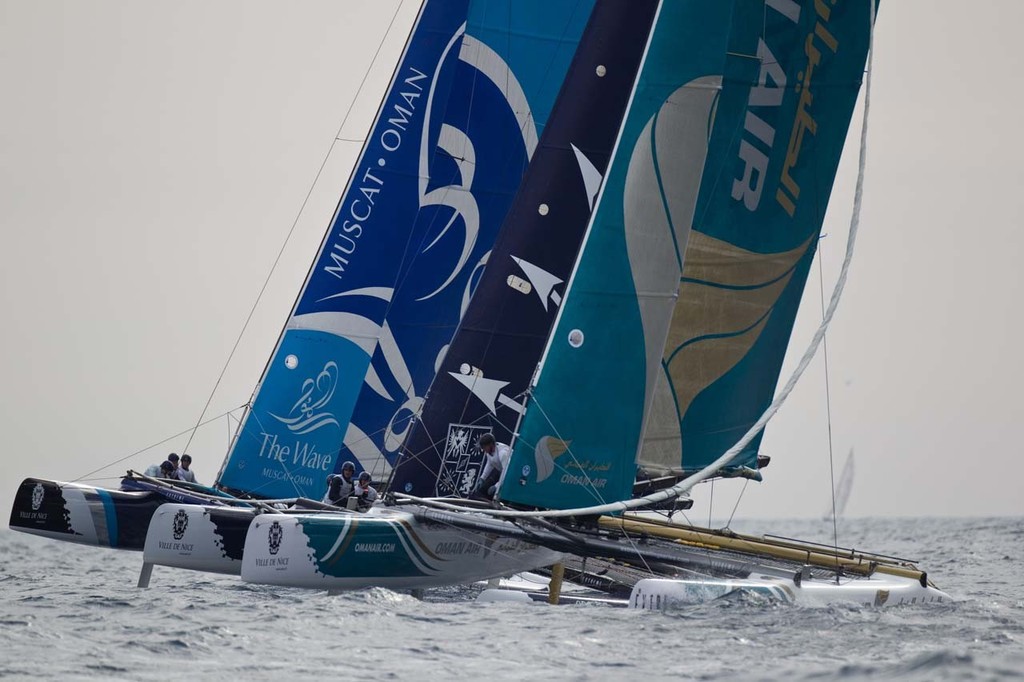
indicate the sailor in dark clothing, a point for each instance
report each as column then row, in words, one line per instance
column 340, row 486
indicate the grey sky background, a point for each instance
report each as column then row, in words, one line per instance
column 153, row 157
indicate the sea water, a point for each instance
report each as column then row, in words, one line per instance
column 73, row 612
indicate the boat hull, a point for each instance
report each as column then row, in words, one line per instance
column 381, row 548
column 878, row 590
column 83, row 514
column 198, row 537
column 88, row 515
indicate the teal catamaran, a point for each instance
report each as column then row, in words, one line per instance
column 670, row 163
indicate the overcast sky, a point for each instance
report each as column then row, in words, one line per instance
column 153, row 157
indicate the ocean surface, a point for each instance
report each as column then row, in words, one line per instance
column 71, row 612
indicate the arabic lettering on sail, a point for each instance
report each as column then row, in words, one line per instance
column 804, row 121
column 308, row 413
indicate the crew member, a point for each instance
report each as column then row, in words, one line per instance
column 340, row 486
column 496, row 456
column 184, row 473
column 364, row 492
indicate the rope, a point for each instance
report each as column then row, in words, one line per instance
column 828, row 412
column 707, row 472
column 150, row 447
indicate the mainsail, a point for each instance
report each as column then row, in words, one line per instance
column 289, row 438
column 579, row 438
column 786, row 104
column 503, row 332
column 678, row 335
column 410, row 235
column 511, row 63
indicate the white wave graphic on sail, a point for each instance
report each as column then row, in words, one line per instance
column 306, row 415
column 459, row 197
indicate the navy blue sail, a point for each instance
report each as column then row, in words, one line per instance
column 503, row 332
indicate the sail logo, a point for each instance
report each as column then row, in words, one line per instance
column 179, row 524
column 538, row 280
column 274, row 536
column 355, row 215
column 37, row 496
column 307, row 414
column 462, row 462
column 765, row 100
column 488, row 391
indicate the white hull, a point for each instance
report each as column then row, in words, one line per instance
column 878, row 590
column 381, row 548
column 197, row 537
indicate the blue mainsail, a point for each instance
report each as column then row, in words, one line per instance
column 289, row 439
column 511, row 63
column 503, row 332
column 765, row 190
column 409, row 239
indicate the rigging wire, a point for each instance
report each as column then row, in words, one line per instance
column 828, row 411
column 707, row 472
column 737, row 505
column 161, row 442
column 291, row 230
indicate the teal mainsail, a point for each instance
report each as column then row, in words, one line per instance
column 578, row 440
column 762, row 201
column 670, row 341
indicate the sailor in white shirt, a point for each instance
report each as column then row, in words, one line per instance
column 496, row 456
column 183, row 472
column 340, row 486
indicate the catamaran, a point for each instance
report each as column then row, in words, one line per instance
column 440, row 166
column 628, row 329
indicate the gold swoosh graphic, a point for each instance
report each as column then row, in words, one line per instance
column 713, row 327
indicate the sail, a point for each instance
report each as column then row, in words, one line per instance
column 411, row 234
column 501, row 337
column 289, row 439
column 580, row 435
column 759, row 213
column 511, row 64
